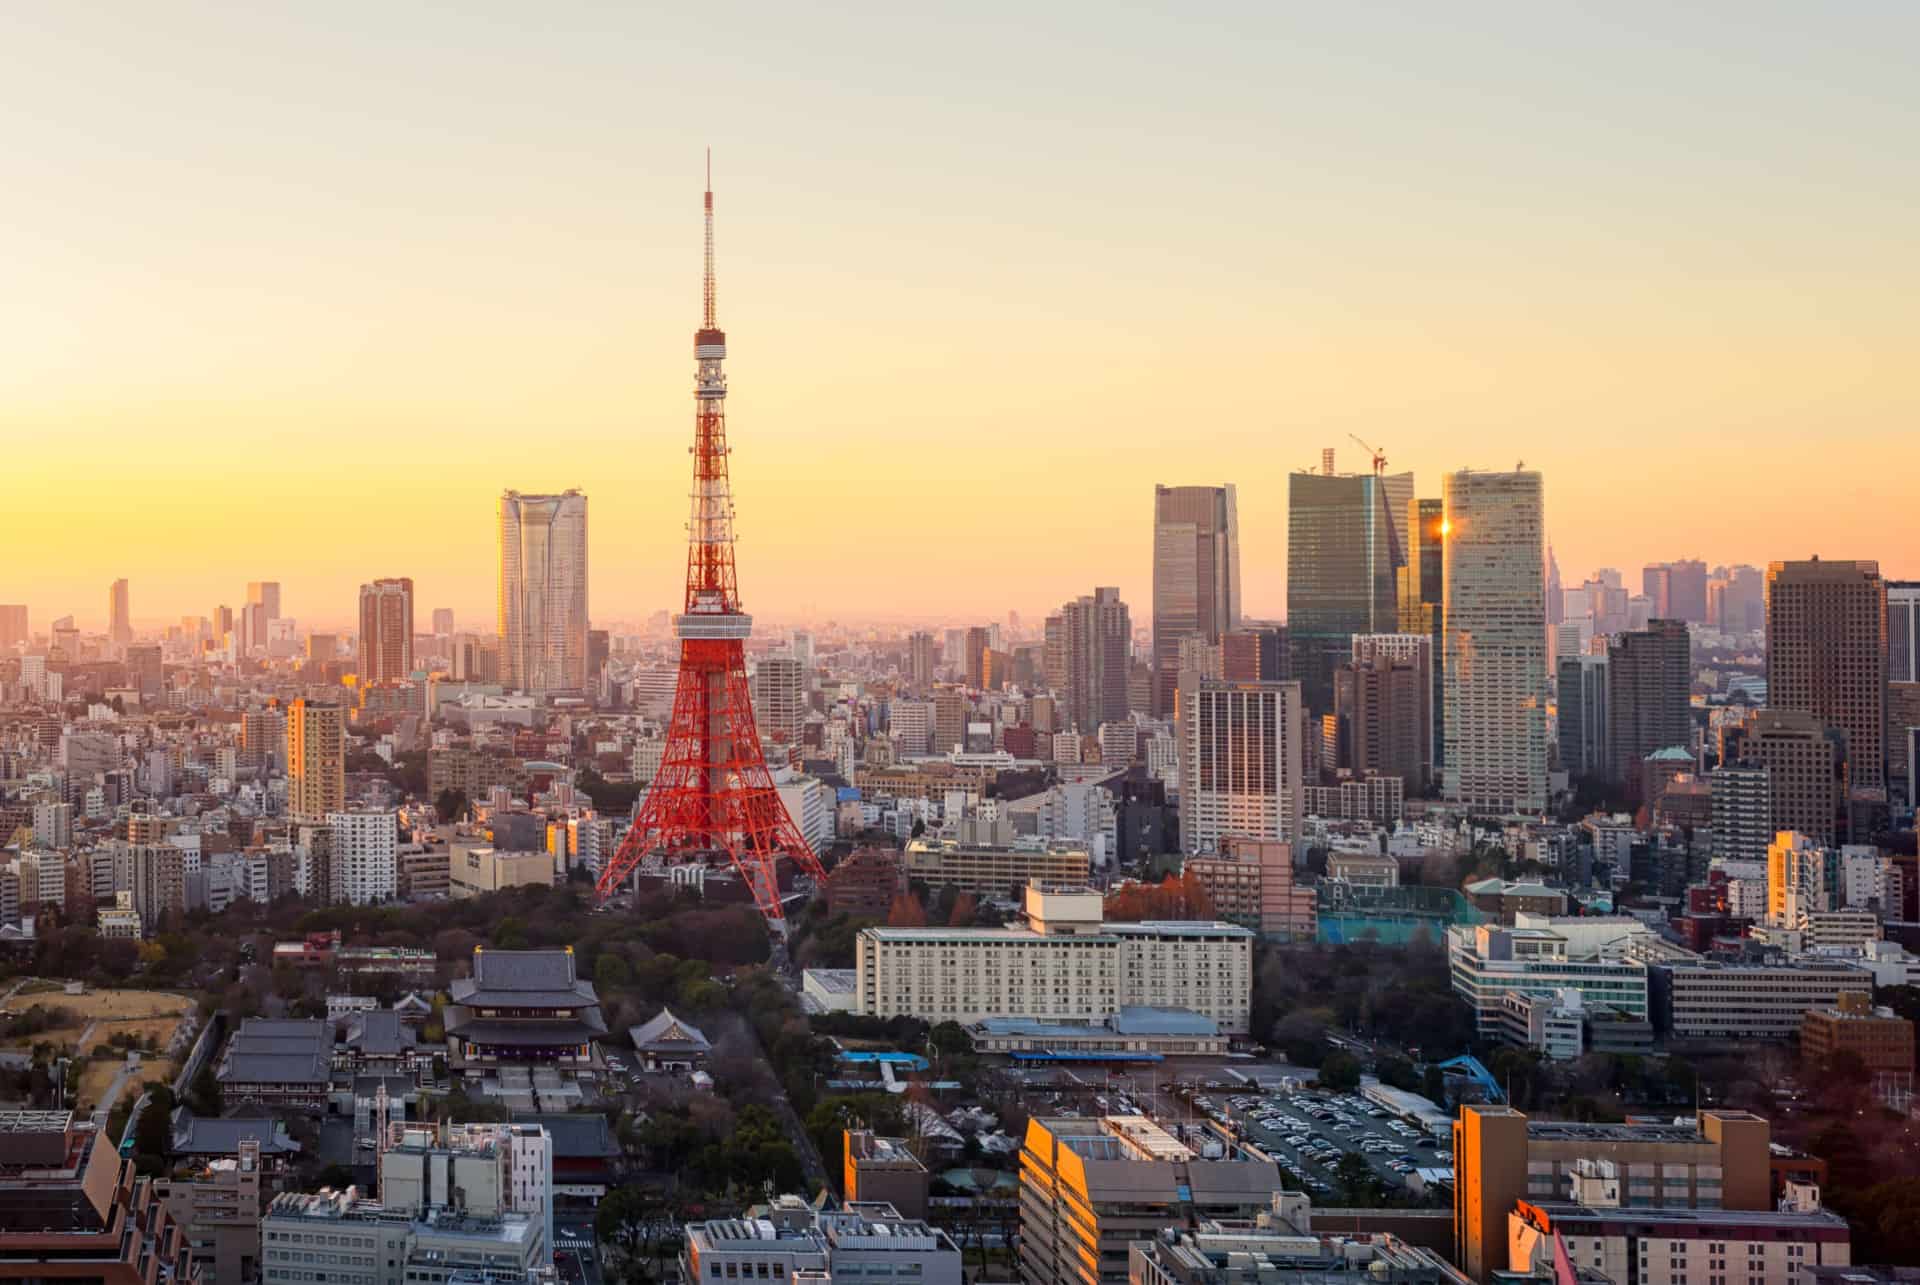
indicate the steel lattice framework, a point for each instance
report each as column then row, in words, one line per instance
column 713, row 793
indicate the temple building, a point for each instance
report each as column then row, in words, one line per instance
column 522, row 1021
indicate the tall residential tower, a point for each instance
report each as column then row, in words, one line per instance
column 1196, row 576
column 543, row 592
column 1495, row 640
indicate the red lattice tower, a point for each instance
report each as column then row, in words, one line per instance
column 713, row 793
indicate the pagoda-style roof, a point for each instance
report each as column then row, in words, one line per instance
column 523, row 979
column 666, row 1033
column 491, row 1031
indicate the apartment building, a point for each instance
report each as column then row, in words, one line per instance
column 1065, row 965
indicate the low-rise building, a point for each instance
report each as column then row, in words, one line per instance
column 475, row 870
column 1489, row 962
column 1092, row 1187
column 1145, row 1033
column 1554, row 1024
column 1881, row 1039
column 218, row 1204
column 1710, row 1003
column 1251, row 882
column 1669, row 1246
column 884, row 1170
column 1719, row 1162
column 1364, row 870
column 789, row 1240
column 1273, row 1253
column 362, row 1242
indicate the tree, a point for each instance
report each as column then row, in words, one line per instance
column 950, row 1038
column 1433, row 1086
column 907, row 911
column 203, row 1095
column 1341, row 1071
column 449, row 805
column 1398, row 1073
column 153, row 1132
column 1356, row 1181
column 611, row 973
column 966, row 908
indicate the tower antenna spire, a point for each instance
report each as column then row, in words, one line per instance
column 707, row 280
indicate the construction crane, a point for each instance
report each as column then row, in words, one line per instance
column 1379, row 456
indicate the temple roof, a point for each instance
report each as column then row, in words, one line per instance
column 523, row 979
column 668, row 1033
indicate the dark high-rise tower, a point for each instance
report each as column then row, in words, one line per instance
column 1827, row 654
column 1649, row 676
column 386, row 632
column 1345, row 548
column 1196, row 576
column 712, row 794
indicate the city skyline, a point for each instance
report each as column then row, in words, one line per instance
column 1616, row 280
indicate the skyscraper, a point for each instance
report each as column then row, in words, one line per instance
column 1196, row 576
column 442, row 622
column 543, row 592
column 1346, row 547
column 316, row 760
column 1422, row 599
column 1092, row 639
column 13, row 624
column 1903, row 631
column 266, row 595
column 1240, row 770
column 1495, row 640
column 1382, row 709
column 1804, row 764
column 386, row 632
column 1583, row 716
column 1827, row 654
column 119, row 619
column 920, row 659
column 1649, row 675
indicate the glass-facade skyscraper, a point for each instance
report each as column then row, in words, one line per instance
column 1345, row 546
column 1196, row 576
column 1495, row 640
column 543, row 592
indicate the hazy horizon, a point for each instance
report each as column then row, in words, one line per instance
column 294, row 295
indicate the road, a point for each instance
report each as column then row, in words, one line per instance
column 576, row 1258
column 112, row 1095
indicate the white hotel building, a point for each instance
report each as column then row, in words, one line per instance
column 1067, row 967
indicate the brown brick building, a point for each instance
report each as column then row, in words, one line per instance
column 1883, row 1041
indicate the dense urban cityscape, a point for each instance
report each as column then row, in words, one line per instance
column 1470, row 920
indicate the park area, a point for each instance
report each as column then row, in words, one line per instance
column 84, row 1022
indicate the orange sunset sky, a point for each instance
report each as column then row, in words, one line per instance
column 292, row 293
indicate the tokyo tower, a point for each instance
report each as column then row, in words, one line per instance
column 713, row 793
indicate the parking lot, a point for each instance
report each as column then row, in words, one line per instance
column 1308, row 1132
